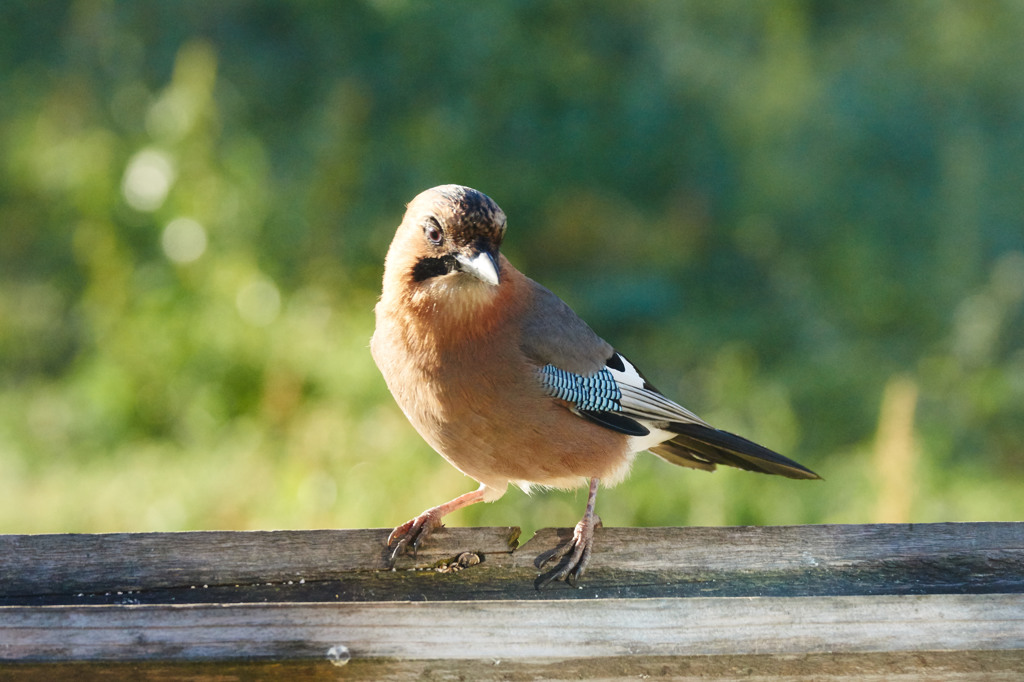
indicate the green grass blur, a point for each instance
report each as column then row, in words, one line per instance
column 802, row 220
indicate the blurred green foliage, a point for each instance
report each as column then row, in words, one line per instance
column 776, row 208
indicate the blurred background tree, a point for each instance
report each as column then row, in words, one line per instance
column 804, row 218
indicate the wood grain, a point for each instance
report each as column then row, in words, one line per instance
column 501, row 629
column 71, row 563
column 349, row 565
column 917, row 666
column 903, row 602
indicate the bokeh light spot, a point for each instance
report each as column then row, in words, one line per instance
column 148, row 179
column 183, row 240
column 259, row 302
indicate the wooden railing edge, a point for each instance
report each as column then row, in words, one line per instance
column 872, row 592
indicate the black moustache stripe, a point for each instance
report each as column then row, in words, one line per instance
column 426, row 268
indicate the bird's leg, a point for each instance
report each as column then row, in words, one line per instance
column 575, row 553
column 412, row 533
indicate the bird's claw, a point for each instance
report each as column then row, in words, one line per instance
column 410, row 535
column 574, row 555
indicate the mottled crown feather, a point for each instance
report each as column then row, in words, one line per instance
column 469, row 213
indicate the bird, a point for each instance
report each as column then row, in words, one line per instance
column 510, row 386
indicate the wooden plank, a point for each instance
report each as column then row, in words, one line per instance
column 349, row 565
column 500, row 629
column 71, row 563
column 917, row 666
column 656, row 602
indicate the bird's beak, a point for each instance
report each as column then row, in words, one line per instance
column 480, row 263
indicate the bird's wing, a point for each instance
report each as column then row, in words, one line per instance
column 581, row 368
column 618, row 397
column 598, row 383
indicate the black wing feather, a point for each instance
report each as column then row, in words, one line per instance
column 616, row 422
column 709, row 445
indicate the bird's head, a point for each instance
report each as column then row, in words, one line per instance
column 447, row 243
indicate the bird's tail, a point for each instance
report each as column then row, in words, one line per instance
column 699, row 446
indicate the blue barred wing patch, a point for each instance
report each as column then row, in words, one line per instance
column 598, row 392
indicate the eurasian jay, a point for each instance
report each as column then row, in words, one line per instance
column 502, row 378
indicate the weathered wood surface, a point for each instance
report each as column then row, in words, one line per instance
column 349, row 565
column 508, row 629
column 824, row 602
column 948, row 666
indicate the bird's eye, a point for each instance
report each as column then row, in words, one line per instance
column 433, row 232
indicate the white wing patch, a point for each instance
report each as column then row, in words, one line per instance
column 647, row 405
column 641, row 400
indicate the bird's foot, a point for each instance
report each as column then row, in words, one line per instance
column 574, row 554
column 410, row 535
